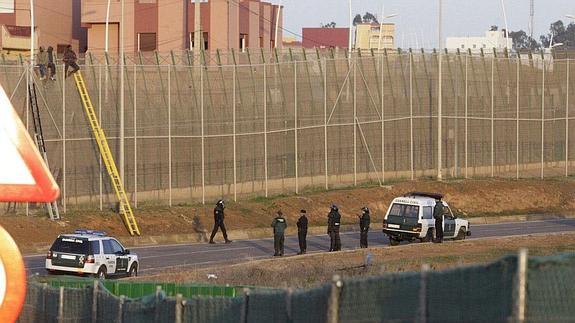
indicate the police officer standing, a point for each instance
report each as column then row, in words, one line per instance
column 438, row 216
column 279, row 224
column 219, row 222
column 333, row 224
column 302, row 232
column 364, row 222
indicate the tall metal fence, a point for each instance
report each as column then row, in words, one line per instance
column 509, row 290
column 192, row 133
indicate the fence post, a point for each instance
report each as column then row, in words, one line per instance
column 245, row 305
column 325, row 123
column 543, row 118
column 64, row 139
column 202, row 132
column 95, row 292
column 517, row 126
column 169, row 139
column 121, row 309
column 567, row 124
column 295, row 129
column 101, row 188
column 411, row 114
column 492, row 117
column 234, row 133
column 354, row 121
column 135, row 139
column 179, row 308
column 265, row 131
column 521, row 287
column 157, row 300
column 466, row 115
column 289, row 304
column 382, row 121
column 44, row 287
column 61, row 305
column 423, row 294
column 333, row 305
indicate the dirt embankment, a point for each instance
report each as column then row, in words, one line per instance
column 470, row 198
column 309, row 270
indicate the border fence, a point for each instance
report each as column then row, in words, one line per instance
column 193, row 132
column 509, row 290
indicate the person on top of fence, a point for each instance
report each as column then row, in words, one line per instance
column 51, row 65
column 42, row 62
column 219, row 222
column 438, row 216
column 364, row 222
column 279, row 224
column 302, row 232
column 333, row 224
column 70, row 59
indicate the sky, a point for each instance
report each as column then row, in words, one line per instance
column 416, row 23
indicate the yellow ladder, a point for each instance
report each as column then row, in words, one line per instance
column 125, row 208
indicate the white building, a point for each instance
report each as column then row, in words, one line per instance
column 492, row 39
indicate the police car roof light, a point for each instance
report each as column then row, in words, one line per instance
column 425, row 194
column 91, row 232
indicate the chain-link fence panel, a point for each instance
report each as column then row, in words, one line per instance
column 267, row 306
column 213, row 310
column 310, row 305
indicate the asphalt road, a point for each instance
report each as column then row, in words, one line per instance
column 156, row 259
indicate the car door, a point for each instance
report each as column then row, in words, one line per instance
column 448, row 223
column 109, row 256
column 121, row 257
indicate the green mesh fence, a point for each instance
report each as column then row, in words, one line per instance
column 483, row 293
column 310, row 305
column 472, row 294
column 213, row 310
column 551, row 289
column 392, row 297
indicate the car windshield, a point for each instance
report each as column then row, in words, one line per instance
column 404, row 210
column 71, row 245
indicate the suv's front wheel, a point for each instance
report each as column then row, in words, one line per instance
column 133, row 271
column 461, row 234
column 394, row 241
column 429, row 236
column 102, row 273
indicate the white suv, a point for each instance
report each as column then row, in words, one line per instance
column 91, row 252
column 411, row 217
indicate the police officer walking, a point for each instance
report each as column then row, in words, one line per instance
column 219, row 222
column 364, row 222
column 333, row 224
column 279, row 224
column 302, row 232
column 438, row 216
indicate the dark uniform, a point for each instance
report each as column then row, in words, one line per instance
column 70, row 59
column 364, row 221
column 279, row 224
column 302, row 232
column 438, row 216
column 219, row 222
column 333, row 224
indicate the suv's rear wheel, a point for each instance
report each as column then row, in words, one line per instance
column 393, row 241
column 133, row 271
column 102, row 273
column 461, row 234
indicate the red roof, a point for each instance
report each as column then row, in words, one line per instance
column 325, row 37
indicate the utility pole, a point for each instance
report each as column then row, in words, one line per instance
column 440, row 99
column 277, row 24
column 122, row 132
column 197, row 28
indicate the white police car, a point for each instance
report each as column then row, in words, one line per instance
column 410, row 218
column 91, row 252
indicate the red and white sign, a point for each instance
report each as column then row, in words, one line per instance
column 24, row 176
column 12, row 279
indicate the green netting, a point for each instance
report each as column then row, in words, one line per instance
column 78, row 305
column 141, row 310
column 108, row 308
column 551, row 289
column 267, row 306
column 393, row 297
column 310, row 305
column 33, row 309
column 207, row 310
column 472, row 294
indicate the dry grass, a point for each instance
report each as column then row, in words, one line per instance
column 314, row 269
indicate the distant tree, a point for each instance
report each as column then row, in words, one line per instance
column 522, row 41
column 493, row 28
column 558, row 33
column 329, row 25
column 357, row 20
